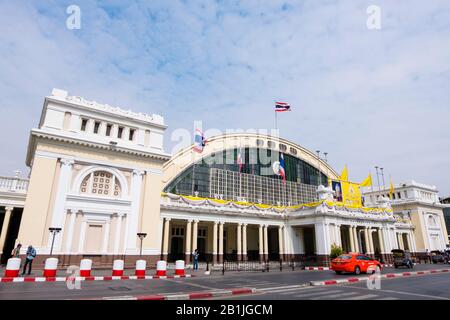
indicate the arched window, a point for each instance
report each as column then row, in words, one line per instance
column 101, row 183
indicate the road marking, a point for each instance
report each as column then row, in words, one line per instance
column 286, row 287
column 334, row 296
column 388, row 298
column 289, row 291
column 400, row 292
column 364, row 297
column 311, row 294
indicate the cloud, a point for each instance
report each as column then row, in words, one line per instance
column 366, row 97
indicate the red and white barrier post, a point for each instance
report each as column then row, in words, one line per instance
column 161, row 268
column 51, row 265
column 85, row 267
column 12, row 267
column 117, row 268
column 140, row 267
column 179, row 267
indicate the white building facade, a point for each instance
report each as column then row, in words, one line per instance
column 101, row 175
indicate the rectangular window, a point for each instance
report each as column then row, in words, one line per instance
column 132, row 132
column 84, row 124
column 108, row 129
column 120, row 132
column 96, row 126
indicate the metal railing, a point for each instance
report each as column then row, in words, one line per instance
column 13, row 184
column 261, row 266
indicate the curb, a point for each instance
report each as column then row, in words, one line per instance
column 317, row 268
column 187, row 296
column 101, row 278
column 384, row 276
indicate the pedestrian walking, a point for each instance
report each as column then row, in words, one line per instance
column 195, row 259
column 16, row 251
column 30, row 255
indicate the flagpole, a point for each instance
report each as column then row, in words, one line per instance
column 276, row 120
column 378, row 179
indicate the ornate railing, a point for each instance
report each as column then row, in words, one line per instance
column 13, row 184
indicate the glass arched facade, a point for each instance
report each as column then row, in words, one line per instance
column 222, row 176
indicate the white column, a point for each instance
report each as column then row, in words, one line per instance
column 106, row 237
column 188, row 238
column 371, row 245
column 166, row 237
column 221, row 238
column 261, row 241
column 338, row 235
column 244, row 239
column 381, row 241
column 4, row 231
column 412, row 241
column 366, row 239
column 194, row 235
column 352, row 238
column 82, row 236
column 69, row 240
column 117, row 233
column 239, row 240
column 321, row 248
column 280, row 241
column 356, row 239
column 266, row 241
column 58, row 214
column 133, row 217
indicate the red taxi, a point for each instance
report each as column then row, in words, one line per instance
column 355, row 263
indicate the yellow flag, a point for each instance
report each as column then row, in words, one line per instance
column 391, row 190
column 344, row 174
column 367, row 182
column 351, row 194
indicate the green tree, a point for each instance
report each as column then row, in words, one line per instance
column 336, row 251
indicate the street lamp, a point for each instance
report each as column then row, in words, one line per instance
column 54, row 232
column 141, row 237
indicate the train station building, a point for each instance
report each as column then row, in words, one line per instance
column 101, row 174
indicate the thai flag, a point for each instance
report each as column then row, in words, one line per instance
column 282, row 170
column 282, row 107
column 199, row 141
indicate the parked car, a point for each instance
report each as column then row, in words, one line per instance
column 356, row 263
column 402, row 258
column 438, row 256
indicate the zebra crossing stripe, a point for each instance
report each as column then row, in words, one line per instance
column 364, row 297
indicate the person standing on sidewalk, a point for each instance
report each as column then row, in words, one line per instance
column 30, row 255
column 16, row 251
column 195, row 259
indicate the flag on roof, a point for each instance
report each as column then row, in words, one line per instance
column 282, row 107
column 367, row 182
column 199, row 141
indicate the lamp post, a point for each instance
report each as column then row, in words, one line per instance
column 54, row 232
column 141, row 237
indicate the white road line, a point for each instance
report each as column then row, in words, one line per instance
column 289, row 291
column 334, row 296
column 311, row 294
column 388, row 298
column 364, row 297
column 400, row 292
column 287, row 287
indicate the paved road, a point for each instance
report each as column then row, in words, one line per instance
column 259, row 280
column 426, row 287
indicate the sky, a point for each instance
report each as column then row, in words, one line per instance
column 366, row 96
